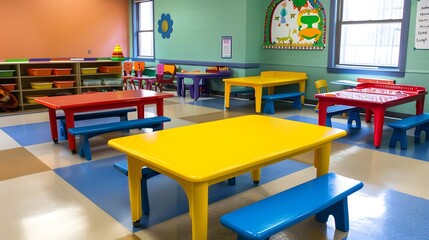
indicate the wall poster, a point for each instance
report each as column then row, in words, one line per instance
column 226, row 47
column 295, row 24
column 422, row 25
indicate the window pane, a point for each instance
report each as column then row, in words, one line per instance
column 370, row 44
column 146, row 16
column 358, row 10
column 145, row 44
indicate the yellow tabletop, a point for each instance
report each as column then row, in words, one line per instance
column 268, row 79
column 220, row 150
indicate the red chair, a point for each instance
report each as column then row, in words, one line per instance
column 165, row 75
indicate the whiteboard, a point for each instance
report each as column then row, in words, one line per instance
column 422, row 25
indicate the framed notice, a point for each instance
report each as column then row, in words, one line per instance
column 422, row 25
column 226, row 48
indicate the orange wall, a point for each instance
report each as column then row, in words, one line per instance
column 62, row 28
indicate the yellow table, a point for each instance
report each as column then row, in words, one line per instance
column 242, row 144
column 268, row 79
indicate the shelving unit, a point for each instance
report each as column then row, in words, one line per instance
column 23, row 79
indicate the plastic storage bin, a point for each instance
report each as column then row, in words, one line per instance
column 112, row 81
column 30, row 98
column 39, row 71
column 6, row 73
column 61, row 71
column 110, row 69
column 9, row 86
column 88, row 70
column 63, row 84
column 41, row 85
column 91, row 82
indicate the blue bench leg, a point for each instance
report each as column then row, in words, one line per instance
column 340, row 212
column 269, row 107
column 84, row 147
column 63, row 129
column 401, row 136
column 123, row 118
column 328, row 121
column 146, row 174
column 297, row 103
column 231, row 181
column 420, row 128
column 354, row 116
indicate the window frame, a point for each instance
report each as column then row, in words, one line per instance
column 136, row 30
column 334, row 46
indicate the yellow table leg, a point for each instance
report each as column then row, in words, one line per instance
column 256, row 175
column 258, row 98
column 302, row 89
column 198, row 198
column 321, row 159
column 134, row 177
column 227, row 94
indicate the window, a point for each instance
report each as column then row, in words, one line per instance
column 368, row 36
column 143, row 37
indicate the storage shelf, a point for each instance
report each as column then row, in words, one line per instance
column 22, row 79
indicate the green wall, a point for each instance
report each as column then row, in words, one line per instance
column 199, row 25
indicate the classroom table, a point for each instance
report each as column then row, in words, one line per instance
column 268, row 79
column 197, row 78
column 242, row 144
column 375, row 98
column 87, row 102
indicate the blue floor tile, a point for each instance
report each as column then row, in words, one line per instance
column 108, row 189
column 37, row 133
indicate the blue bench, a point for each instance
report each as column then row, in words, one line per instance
column 322, row 196
column 269, row 100
column 122, row 167
column 122, row 113
column 353, row 114
column 86, row 132
column 400, row 127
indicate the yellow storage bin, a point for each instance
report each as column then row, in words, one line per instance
column 41, row 85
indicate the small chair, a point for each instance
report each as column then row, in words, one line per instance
column 127, row 75
column 322, row 87
column 165, row 75
column 138, row 75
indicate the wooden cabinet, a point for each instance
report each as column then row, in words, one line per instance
column 32, row 79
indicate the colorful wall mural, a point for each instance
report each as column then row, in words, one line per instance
column 295, row 24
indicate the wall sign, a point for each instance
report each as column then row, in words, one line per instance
column 422, row 25
column 295, row 24
column 226, row 48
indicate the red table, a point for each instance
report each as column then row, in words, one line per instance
column 72, row 104
column 375, row 98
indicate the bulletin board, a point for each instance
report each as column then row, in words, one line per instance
column 422, row 25
column 295, row 24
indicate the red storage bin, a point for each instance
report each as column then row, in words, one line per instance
column 61, row 71
column 9, row 86
column 39, row 71
column 110, row 69
column 63, row 84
